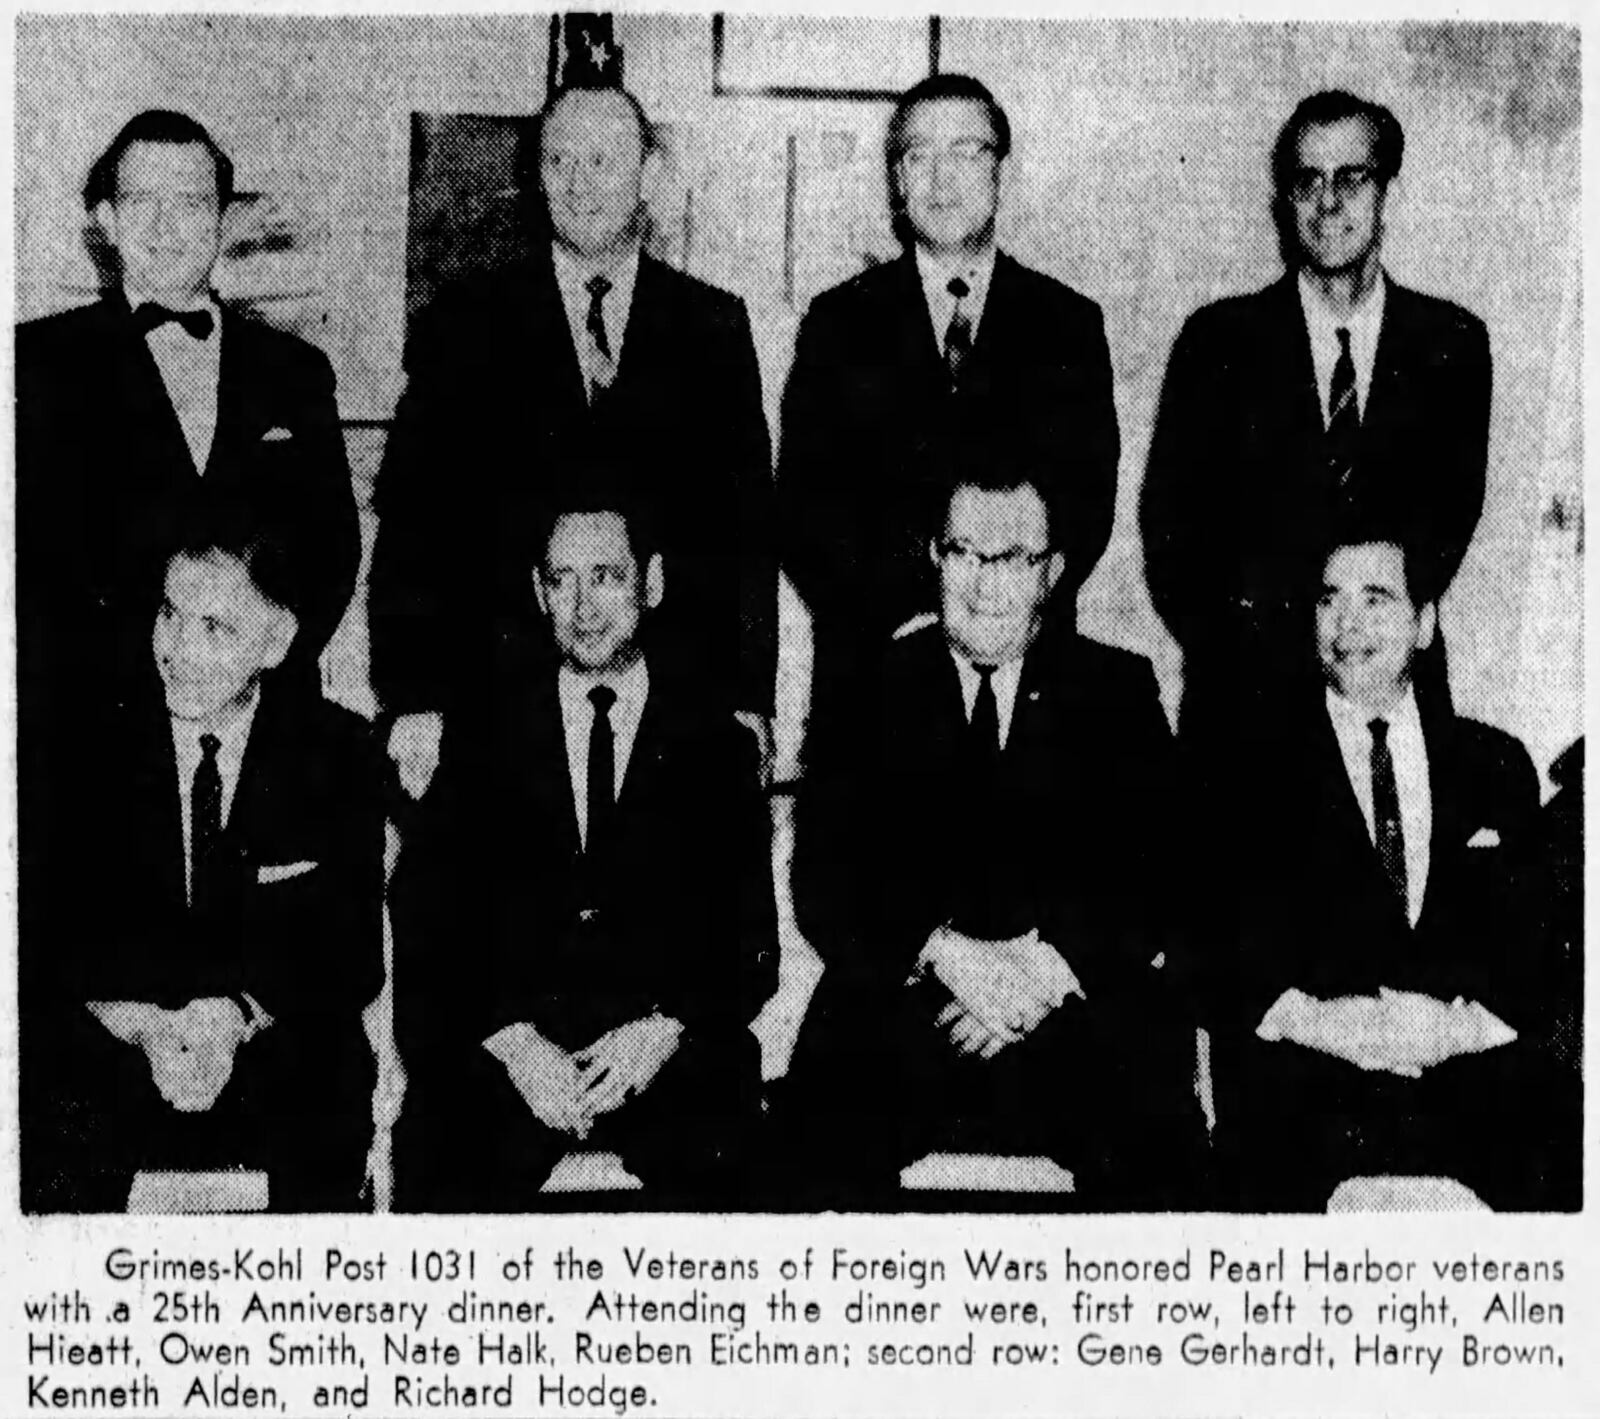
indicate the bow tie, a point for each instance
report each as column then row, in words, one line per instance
column 151, row 316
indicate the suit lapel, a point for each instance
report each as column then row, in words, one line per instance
column 548, row 349
column 1290, row 353
column 145, row 413
column 920, row 350
column 1394, row 358
column 234, row 379
column 155, row 827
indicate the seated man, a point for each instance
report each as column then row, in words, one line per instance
column 982, row 860
column 1384, row 980
column 210, row 929
column 574, row 899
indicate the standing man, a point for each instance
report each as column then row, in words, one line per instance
column 1335, row 389
column 128, row 407
column 953, row 336
column 590, row 342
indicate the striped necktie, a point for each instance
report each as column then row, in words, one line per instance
column 1344, row 415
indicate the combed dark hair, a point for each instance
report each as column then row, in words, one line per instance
column 155, row 125
column 1335, row 106
column 527, row 163
column 600, row 485
column 239, row 527
column 935, row 88
column 1372, row 527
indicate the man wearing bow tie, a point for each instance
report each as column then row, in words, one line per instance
column 583, row 910
column 954, row 337
column 207, row 930
column 981, row 858
column 514, row 376
column 131, row 409
column 1389, row 999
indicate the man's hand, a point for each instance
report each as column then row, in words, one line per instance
column 624, row 1061
column 1003, row 998
column 414, row 748
column 191, row 1051
column 1400, row 1032
column 544, row 1074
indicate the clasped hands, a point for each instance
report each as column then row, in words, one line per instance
column 190, row 1050
column 1002, row 989
column 568, row 1091
column 1396, row 1031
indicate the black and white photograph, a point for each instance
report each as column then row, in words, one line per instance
column 716, row 614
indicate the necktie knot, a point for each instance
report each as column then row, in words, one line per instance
column 602, row 697
column 959, row 288
column 209, row 745
column 598, row 287
column 1343, row 332
column 152, row 316
column 1379, row 730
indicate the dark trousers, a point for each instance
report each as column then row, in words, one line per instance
column 466, row 1140
column 298, row 1106
column 1297, row 1123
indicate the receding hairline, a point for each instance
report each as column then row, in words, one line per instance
column 641, row 122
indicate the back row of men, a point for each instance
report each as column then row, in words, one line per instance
column 581, row 445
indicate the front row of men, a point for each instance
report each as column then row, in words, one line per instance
column 995, row 859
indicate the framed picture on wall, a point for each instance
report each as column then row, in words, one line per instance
column 809, row 57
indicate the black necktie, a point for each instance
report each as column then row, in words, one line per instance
column 1344, row 414
column 602, row 791
column 1386, row 813
column 958, row 334
column 986, row 719
column 205, row 822
column 598, row 287
column 151, row 316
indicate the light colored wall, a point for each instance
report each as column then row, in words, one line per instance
column 1139, row 177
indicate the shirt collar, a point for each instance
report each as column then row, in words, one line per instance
column 631, row 685
column 1363, row 322
column 1006, row 675
column 232, row 737
column 937, row 272
column 574, row 273
column 1349, row 717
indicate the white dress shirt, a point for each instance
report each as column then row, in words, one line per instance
column 234, row 738
column 936, row 277
column 572, row 276
column 577, row 717
column 1005, row 681
column 190, row 370
column 1409, row 752
column 1364, row 323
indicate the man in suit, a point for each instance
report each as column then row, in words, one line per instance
column 1388, row 993
column 514, row 375
column 128, row 407
column 981, row 860
column 954, row 338
column 208, row 930
column 1333, row 389
column 584, row 913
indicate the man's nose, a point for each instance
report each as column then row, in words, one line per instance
column 1328, row 200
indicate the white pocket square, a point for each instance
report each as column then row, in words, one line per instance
column 276, row 434
column 1484, row 837
column 282, row 871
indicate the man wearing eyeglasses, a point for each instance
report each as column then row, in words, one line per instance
column 982, row 859
column 1334, row 390
column 954, row 336
column 512, row 375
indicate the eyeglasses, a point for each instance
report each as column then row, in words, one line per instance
column 965, row 153
column 1013, row 561
column 1309, row 184
column 146, row 206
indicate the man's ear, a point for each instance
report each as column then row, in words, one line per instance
column 655, row 581
column 933, row 552
column 1054, row 569
column 285, row 626
column 1426, row 623
column 105, row 216
column 538, row 594
column 651, row 173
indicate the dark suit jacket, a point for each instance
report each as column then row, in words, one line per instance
column 1078, row 841
column 869, row 399
column 494, row 407
column 499, row 917
column 1317, row 913
column 1237, row 500
column 103, row 467
column 110, row 919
